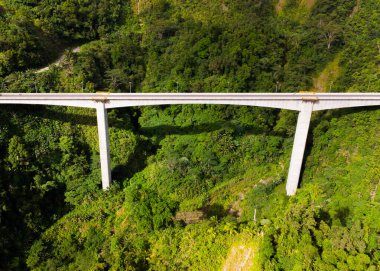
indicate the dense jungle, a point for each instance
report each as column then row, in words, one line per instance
column 195, row 187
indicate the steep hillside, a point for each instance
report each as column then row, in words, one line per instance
column 195, row 187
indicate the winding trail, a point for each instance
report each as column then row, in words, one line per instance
column 58, row 61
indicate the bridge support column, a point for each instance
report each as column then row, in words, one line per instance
column 104, row 144
column 299, row 145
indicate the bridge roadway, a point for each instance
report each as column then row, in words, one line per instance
column 305, row 103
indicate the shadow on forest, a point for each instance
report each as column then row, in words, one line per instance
column 159, row 130
column 215, row 209
column 343, row 214
column 44, row 112
column 164, row 130
column 144, row 149
column 336, row 113
column 73, row 118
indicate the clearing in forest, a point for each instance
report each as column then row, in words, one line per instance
column 324, row 82
column 241, row 257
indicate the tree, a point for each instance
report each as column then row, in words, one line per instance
column 330, row 31
column 116, row 79
column 17, row 153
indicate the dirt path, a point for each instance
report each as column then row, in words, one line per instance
column 280, row 6
column 58, row 61
column 356, row 8
column 309, row 4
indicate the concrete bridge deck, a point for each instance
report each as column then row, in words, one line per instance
column 291, row 101
column 305, row 103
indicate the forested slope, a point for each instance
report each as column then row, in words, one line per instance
column 195, row 187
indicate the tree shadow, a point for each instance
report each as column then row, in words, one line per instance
column 144, row 149
column 343, row 214
column 216, row 210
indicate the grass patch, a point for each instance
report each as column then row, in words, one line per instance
column 324, row 82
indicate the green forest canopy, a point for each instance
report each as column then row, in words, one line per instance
column 222, row 167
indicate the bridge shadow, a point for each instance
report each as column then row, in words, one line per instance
column 239, row 129
column 86, row 118
column 74, row 118
column 123, row 172
column 47, row 112
column 340, row 112
column 159, row 130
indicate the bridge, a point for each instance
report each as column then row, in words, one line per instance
column 305, row 103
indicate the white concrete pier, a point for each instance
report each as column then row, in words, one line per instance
column 299, row 145
column 104, row 144
column 306, row 103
